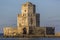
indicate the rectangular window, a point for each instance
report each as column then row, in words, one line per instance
column 31, row 21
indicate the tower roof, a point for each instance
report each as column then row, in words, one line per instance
column 28, row 3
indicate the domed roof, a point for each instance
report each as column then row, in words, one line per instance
column 28, row 3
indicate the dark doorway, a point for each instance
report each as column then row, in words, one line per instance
column 30, row 30
column 24, row 31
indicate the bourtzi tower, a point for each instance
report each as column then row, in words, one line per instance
column 28, row 19
column 28, row 22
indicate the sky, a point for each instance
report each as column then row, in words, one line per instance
column 49, row 12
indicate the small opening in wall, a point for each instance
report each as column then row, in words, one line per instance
column 24, row 31
column 25, row 10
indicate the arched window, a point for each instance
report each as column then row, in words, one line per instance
column 24, row 14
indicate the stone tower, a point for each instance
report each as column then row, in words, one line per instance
column 28, row 20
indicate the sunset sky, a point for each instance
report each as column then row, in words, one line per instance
column 49, row 12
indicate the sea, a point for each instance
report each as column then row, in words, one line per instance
column 29, row 38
